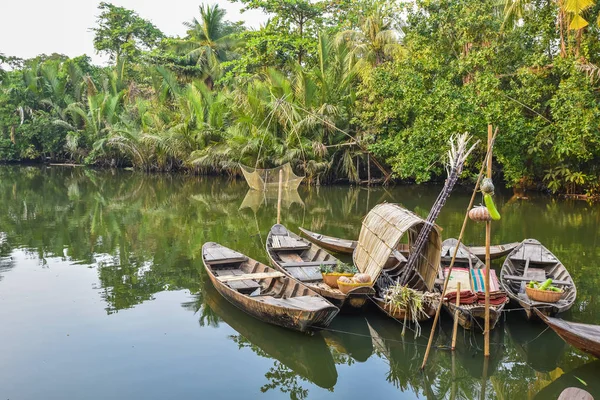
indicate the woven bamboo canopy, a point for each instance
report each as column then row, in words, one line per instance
column 383, row 230
column 265, row 179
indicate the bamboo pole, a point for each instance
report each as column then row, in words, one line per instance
column 488, row 262
column 455, row 329
column 279, row 196
column 460, row 236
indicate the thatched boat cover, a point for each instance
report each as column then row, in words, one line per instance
column 263, row 179
column 381, row 233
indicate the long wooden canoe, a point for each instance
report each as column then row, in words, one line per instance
column 265, row 293
column 346, row 246
column 585, row 337
column 532, row 261
column 301, row 260
column 470, row 316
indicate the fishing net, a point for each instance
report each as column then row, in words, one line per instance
column 263, row 179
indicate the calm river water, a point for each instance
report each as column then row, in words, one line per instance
column 103, row 296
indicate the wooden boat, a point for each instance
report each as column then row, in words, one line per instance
column 306, row 355
column 347, row 246
column 496, row 251
column 264, row 293
column 470, row 316
column 532, row 261
column 585, row 337
column 301, row 260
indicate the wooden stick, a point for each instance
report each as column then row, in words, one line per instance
column 488, row 263
column 460, row 236
column 279, row 196
column 455, row 329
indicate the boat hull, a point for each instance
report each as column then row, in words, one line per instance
column 298, row 320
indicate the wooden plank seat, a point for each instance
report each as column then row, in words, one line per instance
column 537, row 279
column 303, row 274
column 288, row 243
column 223, row 255
column 254, row 276
column 245, row 286
column 308, row 263
column 310, row 303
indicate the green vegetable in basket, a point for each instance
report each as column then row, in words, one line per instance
column 325, row 269
column 546, row 284
column 489, row 204
column 532, row 284
column 554, row 289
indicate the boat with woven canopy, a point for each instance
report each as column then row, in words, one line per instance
column 264, row 179
column 387, row 232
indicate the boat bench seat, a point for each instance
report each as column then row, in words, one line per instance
column 279, row 243
column 308, row 263
column 308, row 303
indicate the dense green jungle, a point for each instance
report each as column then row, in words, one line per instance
column 344, row 90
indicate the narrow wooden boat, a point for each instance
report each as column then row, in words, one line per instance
column 496, row 251
column 264, row 293
column 301, row 260
column 532, row 261
column 470, row 316
column 585, row 337
column 330, row 243
column 347, row 246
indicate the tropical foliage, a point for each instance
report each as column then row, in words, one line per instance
column 344, row 90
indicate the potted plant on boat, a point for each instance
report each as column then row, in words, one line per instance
column 332, row 274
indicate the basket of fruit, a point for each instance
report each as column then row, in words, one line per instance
column 544, row 292
column 346, row 284
column 332, row 274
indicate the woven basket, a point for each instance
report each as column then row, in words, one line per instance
column 545, row 296
column 346, row 287
column 332, row 277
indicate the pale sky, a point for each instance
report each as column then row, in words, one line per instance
column 31, row 27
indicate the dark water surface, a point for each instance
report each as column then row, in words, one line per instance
column 103, row 296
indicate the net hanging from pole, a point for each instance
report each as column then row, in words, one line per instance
column 264, row 179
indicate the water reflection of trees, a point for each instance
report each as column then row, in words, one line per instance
column 144, row 234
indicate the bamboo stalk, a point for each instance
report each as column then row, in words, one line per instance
column 455, row 329
column 460, row 236
column 488, row 263
column 279, row 196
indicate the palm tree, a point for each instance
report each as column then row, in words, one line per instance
column 376, row 40
column 569, row 17
column 209, row 42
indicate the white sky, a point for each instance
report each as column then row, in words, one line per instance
column 32, row 27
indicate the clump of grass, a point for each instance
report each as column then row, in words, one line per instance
column 325, row 269
column 413, row 302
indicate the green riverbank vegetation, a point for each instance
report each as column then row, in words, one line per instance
column 331, row 86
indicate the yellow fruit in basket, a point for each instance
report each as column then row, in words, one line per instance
column 362, row 278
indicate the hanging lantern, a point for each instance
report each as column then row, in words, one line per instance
column 480, row 214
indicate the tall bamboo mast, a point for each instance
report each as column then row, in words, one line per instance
column 488, row 262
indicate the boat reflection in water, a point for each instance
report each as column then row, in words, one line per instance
column 538, row 345
column 295, row 353
column 586, row 377
column 349, row 335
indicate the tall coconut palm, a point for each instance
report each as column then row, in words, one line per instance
column 209, row 42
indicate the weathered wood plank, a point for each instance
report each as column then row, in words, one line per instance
column 537, row 279
column 307, row 263
column 243, row 277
